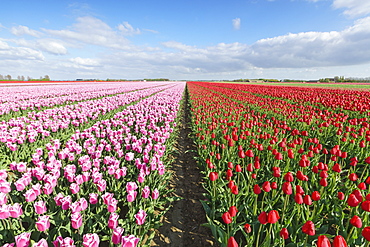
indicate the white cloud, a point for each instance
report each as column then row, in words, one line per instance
column 8, row 52
column 127, row 29
column 55, row 47
column 87, row 62
column 3, row 45
column 354, row 8
column 310, row 49
column 23, row 30
column 90, row 30
column 52, row 46
column 236, row 23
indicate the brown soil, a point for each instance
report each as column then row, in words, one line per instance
column 182, row 223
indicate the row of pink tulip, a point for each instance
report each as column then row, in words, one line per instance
column 104, row 179
column 40, row 124
column 38, row 96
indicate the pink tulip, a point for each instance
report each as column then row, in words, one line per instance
column 5, row 187
column 117, row 235
column 43, row 223
column 74, row 188
column 112, row 206
column 102, row 184
column 16, row 210
column 155, row 194
column 91, row 240
column 83, row 203
column 140, row 217
column 145, row 192
column 58, row 199
column 23, row 239
column 131, row 186
column 129, row 156
column 9, row 245
column 66, row 202
column 93, row 198
column 41, row 243
column 37, row 189
column 113, row 220
column 76, row 220
column 131, row 195
column 129, row 241
column 30, row 195
column 3, row 198
column 4, row 211
column 20, row 184
column 40, row 207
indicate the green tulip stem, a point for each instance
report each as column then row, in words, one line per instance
column 349, row 218
column 350, row 234
column 305, row 241
column 285, row 203
column 258, row 235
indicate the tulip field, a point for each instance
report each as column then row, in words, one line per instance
column 284, row 166
column 88, row 164
column 85, row 164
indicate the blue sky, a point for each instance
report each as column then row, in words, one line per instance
column 295, row 39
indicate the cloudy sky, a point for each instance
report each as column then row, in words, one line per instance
column 192, row 39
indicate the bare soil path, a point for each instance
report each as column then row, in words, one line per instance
column 182, row 223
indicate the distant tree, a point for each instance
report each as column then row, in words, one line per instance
column 1, row 77
column 29, row 78
column 22, row 78
column 8, row 77
column 46, row 78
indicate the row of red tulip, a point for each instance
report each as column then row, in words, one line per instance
column 298, row 167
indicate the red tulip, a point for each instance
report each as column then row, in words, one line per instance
column 298, row 198
column 232, row 211
column 213, row 176
column 356, row 221
column 353, row 176
column 273, row 217
column 232, row 242
column 336, row 168
column 323, row 182
column 358, row 195
column 226, row 217
column 361, row 186
column 352, row 201
column 262, row 218
column 323, row 241
column 339, row 241
column 247, row 228
column 366, row 233
column 315, row 196
column 288, row 177
column 276, row 171
column 284, row 233
column 287, row 188
column 266, row 186
column 307, row 200
column 309, row 228
column 341, row 196
column 299, row 189
column 256, row 189
column 366, row 206
column 274, row 185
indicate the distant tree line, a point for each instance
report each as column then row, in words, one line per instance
column 343, row 79
column 22, row 78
